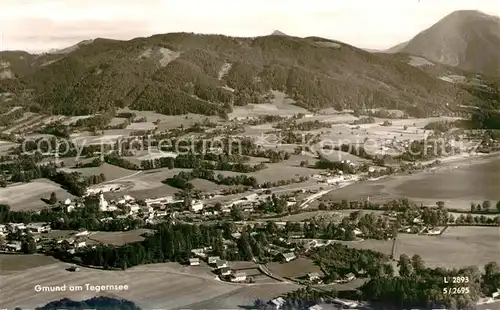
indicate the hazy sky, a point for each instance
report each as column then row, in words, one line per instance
column 39, row 25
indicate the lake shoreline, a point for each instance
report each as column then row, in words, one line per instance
column 389, row 187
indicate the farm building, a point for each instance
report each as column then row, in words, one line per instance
column 221, row 264
column 277, row 303
column 14, row 246
column 288, row 257
column 196, row 206
column 350, row 277
column 82, row 232
column 38, row 227
column 194, row 262
column 225, row 271
column 313, row 276
column 239, row 277
column 213, row 259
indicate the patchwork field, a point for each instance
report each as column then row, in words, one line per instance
column 167, row 286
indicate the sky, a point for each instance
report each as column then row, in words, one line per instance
column 41, row 25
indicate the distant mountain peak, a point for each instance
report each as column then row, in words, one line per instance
column 278, row 33
column 466, row 39
column 70, row 49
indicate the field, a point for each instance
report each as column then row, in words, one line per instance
column 281, row 171
column 244, row 297
column 456, row 247
column 110, row 172
column 27, row 196
column 280, row 105
column 167, row 286
column 294, row 269
column 10, row 263
column 118, row 237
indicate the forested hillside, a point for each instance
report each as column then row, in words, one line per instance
column 178, row 73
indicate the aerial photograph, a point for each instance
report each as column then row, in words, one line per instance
column 258, row 155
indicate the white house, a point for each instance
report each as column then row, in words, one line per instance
column 288, row 257
column 79, row 244
column 238, row 277
column 277, row 303
column 496, row 294
column 236, row 235
column 221, row 264
column 161, row 200
column 213, row 259
column 13, row 246
column 194, row 261
column 125, row 199
column 350, row 276
column 196, row 206
column 252, row 197
column 435, row 231
column 134, row 208
column 313, row 276
column 82, row 232
column 345, row 303
column 16, row 226
column 67, row 201
column 225, row 271
column 38, row 227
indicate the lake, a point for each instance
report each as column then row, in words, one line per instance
column 477, row 181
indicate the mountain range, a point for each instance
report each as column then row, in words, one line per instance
column 177, row 73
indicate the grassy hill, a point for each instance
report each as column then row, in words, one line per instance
column 177, row 73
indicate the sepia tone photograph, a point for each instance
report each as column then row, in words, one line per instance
column 258, row 155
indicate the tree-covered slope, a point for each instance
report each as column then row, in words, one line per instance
column 178, row 73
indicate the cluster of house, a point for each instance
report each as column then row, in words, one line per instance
column 332, row 178
column 152, row 209
column 337, row 303
column 22, row 229
column 35, row 228
column 76, row 241
column 72, row 243
column 221, row 267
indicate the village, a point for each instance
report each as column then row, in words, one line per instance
column 259, row 217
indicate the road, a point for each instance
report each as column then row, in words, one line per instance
column 125, row 177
